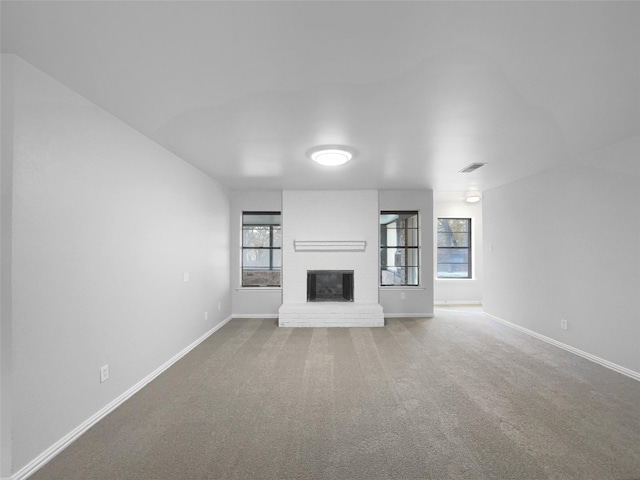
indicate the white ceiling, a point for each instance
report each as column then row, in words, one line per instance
column 420, row 89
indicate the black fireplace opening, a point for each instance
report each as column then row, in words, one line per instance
column 329, row 285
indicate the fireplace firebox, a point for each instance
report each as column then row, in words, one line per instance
column 329, row 285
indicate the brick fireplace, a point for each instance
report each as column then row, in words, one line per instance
column 330, row 231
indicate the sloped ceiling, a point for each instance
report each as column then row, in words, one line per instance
column 242, row 90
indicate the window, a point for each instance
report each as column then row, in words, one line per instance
column 261, row 249
column 454, row 248
column 399, row 248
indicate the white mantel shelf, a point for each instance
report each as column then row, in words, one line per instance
column 330, row 245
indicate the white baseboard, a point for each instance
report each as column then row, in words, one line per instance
column 458, row 302
column 386, row 315
column 408, row 315
column 605, row 363
column 65, row 441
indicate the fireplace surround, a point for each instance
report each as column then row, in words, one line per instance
column 334, row 231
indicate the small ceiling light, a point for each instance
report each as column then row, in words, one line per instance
column 330, row 156
column 472, row 197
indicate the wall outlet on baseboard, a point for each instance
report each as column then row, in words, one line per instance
column 104, row 373
column 403, row 296
column 563, row 324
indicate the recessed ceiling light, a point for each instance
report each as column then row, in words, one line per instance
column 330, row 156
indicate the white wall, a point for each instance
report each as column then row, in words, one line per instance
column 566, row 245
column 255, row 301
column 453, row 290
column 105, row 223
column 6, row 189
column 418, row 301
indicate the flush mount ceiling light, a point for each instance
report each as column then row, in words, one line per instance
column 472, row 197
column 330, row 155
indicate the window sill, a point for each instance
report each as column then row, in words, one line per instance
column 438, row 279
column 402, row 287
column 260, row 289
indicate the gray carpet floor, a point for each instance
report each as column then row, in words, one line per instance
column 457, row 396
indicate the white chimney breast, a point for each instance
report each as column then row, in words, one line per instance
column 337, row 230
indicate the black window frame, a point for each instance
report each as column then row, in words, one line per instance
column 384, row 248
column 468, row 248
column 271, row 248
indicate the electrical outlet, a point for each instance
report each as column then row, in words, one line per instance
column 403, row 296
column 185, row 277
column 104, row 373
column 206, row 315
column 219, row 306
column 563, row 324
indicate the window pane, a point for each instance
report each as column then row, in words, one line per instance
column 256, row 236
column 453, row 239
column 453, row 224
column 451, row 270
column 261, row 267
column 391, row 257
column 261, row 259
column 399, row 229
column 277, row 236
column 412, row 275
column 397, row 237
column 261, row 236
column 410, row 218
column 261, row 218
column 399, row 276
column 412, row 257
column 453, row 255
column 277, row 259
column 260, row 278
column 386, row 277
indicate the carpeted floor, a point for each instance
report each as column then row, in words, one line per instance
column 458, row 396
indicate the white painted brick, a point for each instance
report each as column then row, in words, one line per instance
column 330, row 215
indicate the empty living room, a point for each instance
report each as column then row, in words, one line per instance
column 320, row 240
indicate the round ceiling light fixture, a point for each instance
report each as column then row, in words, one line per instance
column 472, row 197
column 330, row 155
